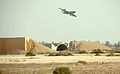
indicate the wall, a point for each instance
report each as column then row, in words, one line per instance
column 8, row 44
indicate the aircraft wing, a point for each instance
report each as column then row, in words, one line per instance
column 73, row 15
column 62, row 9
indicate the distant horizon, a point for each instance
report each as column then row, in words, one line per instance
column 58, row 41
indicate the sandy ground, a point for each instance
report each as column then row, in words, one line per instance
column 57, row 59
column 76, row 68
column 41, row 64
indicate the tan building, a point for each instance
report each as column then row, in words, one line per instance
column 21, row 44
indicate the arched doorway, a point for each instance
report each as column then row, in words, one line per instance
column 62, row 47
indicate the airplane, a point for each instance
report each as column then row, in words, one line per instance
column 64, row 11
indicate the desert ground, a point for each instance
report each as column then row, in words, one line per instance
column 43, row 64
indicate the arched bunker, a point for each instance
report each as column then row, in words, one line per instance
column 62, row 47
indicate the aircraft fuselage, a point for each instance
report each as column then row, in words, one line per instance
column 68, row 12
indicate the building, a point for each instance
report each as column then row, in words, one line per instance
column 57, row 46
column 25, row 44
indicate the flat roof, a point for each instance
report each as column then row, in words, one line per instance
column 10, row 37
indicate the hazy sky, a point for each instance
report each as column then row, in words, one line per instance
column 43, row 21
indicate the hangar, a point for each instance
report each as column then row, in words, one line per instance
column 62, row 47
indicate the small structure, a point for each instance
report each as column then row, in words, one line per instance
column 62, row 47
column 57, row 46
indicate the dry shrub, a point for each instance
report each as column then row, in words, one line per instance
column 116, row 51
column 30, row 54
column 112, row 54
column 82, row 62
column 82, row 51
column 97, row 54
column 97, row 51
column 60, row 54
column 62, row 70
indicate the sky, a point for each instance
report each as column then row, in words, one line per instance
column 97, row 20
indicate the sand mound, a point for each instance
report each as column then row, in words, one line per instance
column 36, row 47
column 90, row 46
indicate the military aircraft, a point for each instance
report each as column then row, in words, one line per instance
column 64, row 11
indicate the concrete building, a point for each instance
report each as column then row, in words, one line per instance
column 25, row 44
